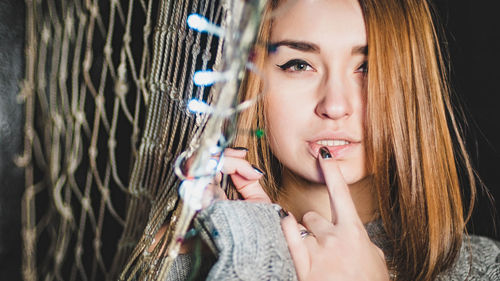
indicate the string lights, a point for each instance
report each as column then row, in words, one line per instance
column 217, row 136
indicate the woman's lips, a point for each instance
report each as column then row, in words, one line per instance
column 338, row 151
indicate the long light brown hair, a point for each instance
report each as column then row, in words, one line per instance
column 413, row 144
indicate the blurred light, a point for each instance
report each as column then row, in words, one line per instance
column 201, row 24
column 207, row 77
column 214, row 150
column 197, row 106
column 212, row 164
column 191, row 194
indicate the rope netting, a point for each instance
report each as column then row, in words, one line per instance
column 105, row 92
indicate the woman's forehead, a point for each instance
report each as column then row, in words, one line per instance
column 326, row 23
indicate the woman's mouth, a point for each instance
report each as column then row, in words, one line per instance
column 339, row 148
column 332, row 142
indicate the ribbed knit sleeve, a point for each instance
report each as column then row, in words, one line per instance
column 181, row 268
column 250, row 242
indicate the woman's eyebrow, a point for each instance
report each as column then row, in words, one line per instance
column 305, row 46
column 360, row 50
column 297, row 45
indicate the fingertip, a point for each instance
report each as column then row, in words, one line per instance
column 289, row 219
column 258, row 171
column 326, row 158
column 297, row 247
column 240, row 148
column 290, row 229
column 290, row 214
column 325, row 154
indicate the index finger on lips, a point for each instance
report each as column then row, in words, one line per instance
column 342, row 206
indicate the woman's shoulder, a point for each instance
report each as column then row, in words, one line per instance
column 479, row 259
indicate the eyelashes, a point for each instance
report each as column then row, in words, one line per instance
column 298, row 65
column 363, row 68
column 295, row 65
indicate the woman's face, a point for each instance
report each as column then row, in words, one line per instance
column 315, row 95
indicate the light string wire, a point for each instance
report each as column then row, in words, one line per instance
column 176, row 52
column 239, row 37
column 172, row 237
column 168, row 117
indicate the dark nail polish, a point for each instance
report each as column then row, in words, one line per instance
column 240, row 148
column 282, row 213
column 258, row 170
column 325, row 153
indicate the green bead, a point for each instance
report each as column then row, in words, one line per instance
column 259, row 133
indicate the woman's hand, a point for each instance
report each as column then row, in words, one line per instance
column 336, row 250
column 245, row 178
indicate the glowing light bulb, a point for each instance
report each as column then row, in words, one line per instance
column 212, row 164
column 191, row 191
column 198, row 106
column 208, row 77
column 185, row 187
column 214, row 150
column 201, row 24
column 197, row 22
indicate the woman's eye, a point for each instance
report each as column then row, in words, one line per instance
column 295, row 65
column 363, row 68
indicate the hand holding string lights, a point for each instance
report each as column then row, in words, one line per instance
column 239, row 36
column 208, row 78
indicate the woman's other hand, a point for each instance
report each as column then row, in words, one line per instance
column 336, row 250
column 245, row 178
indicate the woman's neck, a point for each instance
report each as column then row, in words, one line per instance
column 300, row 196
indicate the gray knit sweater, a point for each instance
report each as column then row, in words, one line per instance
column 249, row 245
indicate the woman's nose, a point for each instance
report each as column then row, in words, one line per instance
column 333, row 102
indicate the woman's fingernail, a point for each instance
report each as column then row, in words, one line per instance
column 258, row 170
column 240, row 148
column 325, row 153
column 282, row 213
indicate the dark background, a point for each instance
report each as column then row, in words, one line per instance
column 473, row 38
column 473, row 35
column 11, row 140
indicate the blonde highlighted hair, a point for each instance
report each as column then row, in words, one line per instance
column 412, row 141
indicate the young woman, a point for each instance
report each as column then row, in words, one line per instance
column 361, row 146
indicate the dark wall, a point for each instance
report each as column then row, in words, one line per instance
column 11, row 124
column 473, row 31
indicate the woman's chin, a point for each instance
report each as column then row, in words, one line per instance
column 306, row 177
column 314, row 175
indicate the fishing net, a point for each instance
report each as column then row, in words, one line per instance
column 105, row 92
